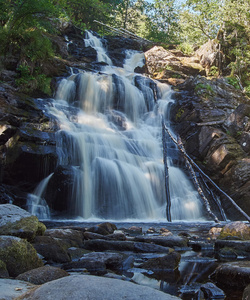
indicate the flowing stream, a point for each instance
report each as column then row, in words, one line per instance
column 110, row 136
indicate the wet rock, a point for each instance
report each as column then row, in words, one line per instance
column 42, row 275
column 235, row 229
column 76, row 253
column 51, row 249
column 96, row 288
column 59, row 189
column 109, row 227
column 235, row 275
column 97, row 229
column 167, row 262
column 94, row 267
column 134, row 230
column 166, row 241
column 18, row 255
column 18, row 222
column 112, row 261
column 246, row 293
column 103, row 245
column 211, row 291
column 232, row 248
column 73, row 238
column 165, row 232
column 12, row 195
column 115, row 236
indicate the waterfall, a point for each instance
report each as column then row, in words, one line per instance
column 110, row 135
column 95, row 42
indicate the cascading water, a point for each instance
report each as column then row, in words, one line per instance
column 113, row 144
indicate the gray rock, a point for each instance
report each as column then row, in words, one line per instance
column 18, row 222
column 166, row 241
column 73, row 237
column 51, row 249
column 94, row 288
column 10, row 288
column 103, row 245
column 211, row 291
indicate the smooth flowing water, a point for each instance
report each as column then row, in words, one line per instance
column 110, row 133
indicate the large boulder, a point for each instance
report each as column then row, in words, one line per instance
column 94, row 288
column 18, row 222
column 71, row 237
column 18, row 255
column 163, row 64
column 52, row 249
column 234, row 275
column 12, row 289
column 236, row 229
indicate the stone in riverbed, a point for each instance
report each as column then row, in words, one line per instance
column 42, row 275
column 167, row 262
column 166, row 241
column 51, row 249
column 235, row 275
column 98, row 262
column 16, row 221
column 94, row 288
column 235, row 229
column 73, row 238
column 18, row 255
column 103, row 245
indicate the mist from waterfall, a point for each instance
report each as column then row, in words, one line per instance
column 110, row 134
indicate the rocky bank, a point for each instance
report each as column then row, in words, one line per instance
column 105, row 261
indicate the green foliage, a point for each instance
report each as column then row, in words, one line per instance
column 233, row 81
column 162, row 21
column 214, row 71
column 186, row 48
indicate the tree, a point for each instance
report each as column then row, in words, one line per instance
column 200, row 20
column 162, row 22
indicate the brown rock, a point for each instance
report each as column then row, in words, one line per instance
column 42, row 275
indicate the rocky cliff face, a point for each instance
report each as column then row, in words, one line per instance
column 211, row 116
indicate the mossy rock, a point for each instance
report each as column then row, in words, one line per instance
column 236, row 230
column 3, row 270
column 18, row 222
column 18, row 255
column 26, row 228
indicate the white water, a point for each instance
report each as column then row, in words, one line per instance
column 114, row 143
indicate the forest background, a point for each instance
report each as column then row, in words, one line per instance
column 27, row 28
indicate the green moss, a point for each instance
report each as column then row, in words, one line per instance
column 18, row 255
column 41, row 229
column 25, row 228
column 229, row 233
column 179, row 114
